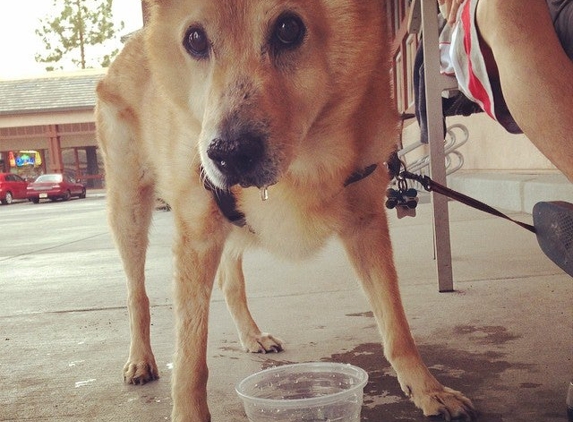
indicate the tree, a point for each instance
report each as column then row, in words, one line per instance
column 82, row 33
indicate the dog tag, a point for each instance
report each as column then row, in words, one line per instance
column 264, row 193
column 405, row 211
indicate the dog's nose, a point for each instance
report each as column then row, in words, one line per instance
column 236, row 158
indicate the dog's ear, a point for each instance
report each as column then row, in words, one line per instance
column 149, row 5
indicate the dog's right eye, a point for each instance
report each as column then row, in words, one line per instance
column 196, row 42
column 289, row 32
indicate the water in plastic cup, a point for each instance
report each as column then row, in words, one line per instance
column 306, row 392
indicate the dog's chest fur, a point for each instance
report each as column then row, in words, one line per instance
column 284, row 224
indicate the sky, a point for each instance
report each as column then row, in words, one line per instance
column 19, row 42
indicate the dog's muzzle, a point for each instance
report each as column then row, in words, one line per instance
column 242, row 161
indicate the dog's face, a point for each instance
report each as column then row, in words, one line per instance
column 261, row 76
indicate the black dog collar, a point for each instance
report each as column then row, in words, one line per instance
column 226, row 202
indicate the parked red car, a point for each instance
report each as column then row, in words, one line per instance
column 12, row 187
column 54, row 186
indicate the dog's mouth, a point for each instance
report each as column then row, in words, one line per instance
column 224, row 189
column 245, row 162
column 244, row 181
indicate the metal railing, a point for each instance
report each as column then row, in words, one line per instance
column 456, row 136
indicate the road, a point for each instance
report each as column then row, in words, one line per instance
column 28, row 228
column 63, row 321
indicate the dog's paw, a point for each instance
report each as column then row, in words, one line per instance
column 263, row 343
column 139, row 373
column 189, row 417
column 447, row 403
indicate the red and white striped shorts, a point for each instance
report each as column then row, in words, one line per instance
column 469, row 64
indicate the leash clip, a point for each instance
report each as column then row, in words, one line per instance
column 425, row 181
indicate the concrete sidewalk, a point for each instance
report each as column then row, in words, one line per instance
column 504, row 337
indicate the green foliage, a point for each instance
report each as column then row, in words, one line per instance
column 79, row 33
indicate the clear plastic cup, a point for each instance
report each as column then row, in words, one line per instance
column 305, row 392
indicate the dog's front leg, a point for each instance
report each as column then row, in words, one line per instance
column 368, row 245
column 197, row 255
column 129, row 216
column 232, row 283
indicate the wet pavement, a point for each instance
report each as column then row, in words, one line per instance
column 504, row 337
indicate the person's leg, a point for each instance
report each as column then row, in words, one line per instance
column 535, row 73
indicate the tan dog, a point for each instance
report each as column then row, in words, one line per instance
column 293, row 95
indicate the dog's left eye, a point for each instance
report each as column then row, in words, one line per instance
column 196, row 42
column 289, row 31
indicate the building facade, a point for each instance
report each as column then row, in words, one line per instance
column 47, row 126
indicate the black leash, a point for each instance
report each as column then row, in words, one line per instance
column 432, row 186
